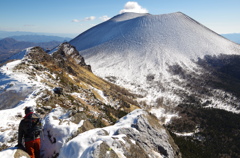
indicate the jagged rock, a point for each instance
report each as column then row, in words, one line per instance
column 86, row 124
column 67, row 51
column 141, row 137
column 38, row 55
column 133, row 150
column 150, row 135
column 104, row 151
column 61, row 57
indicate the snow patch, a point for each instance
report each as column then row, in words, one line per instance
column 58, row 129
column 89, row 140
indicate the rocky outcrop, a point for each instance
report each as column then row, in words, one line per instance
column 137, row 135
column 104, row 151
column 69, row 52
column 64, row 57
column 151, row 137
column 37, row 55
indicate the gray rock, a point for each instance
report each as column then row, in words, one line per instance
column 104, row 151
column 20, row 153
column 151, row 136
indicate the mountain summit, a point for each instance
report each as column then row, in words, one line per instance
column 178, row 67
column 143, row 51
column 144, row 39
column 140, row 44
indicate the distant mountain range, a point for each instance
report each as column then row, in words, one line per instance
column 33, row 38
column 5, row 34
column 40, row 38
column 235, row 37
column 13, row 42
column 10, row 46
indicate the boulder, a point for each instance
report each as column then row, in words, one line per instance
column 14, row 152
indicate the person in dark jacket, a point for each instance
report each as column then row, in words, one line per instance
column 27, row 130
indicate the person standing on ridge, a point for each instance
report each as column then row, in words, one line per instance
column 30, row 128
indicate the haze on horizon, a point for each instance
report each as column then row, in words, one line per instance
column 74, row 17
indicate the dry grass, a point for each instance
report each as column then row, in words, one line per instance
column 75, row 78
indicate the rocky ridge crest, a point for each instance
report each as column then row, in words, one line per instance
column 91, row 100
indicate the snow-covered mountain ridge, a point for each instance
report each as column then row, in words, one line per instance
column 169, row 35
column 79, row 114
column 139, row 51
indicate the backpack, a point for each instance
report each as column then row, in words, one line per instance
column 34, row 126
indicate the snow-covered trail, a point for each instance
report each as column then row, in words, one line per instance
column 19, row 84
column 12, row 83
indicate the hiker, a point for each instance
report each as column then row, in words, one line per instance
column 30, row 128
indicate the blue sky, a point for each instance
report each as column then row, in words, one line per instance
column 76, row 16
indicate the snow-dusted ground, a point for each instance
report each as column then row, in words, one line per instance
column 10, row 153
column 87, row 141
column 57, row 124
column 12, row 80
column 10, row 118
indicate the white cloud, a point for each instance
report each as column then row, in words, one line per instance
column 133, row 7
column 104, row 18
column 75, row 20
column 85, row 19
column 90, row 18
